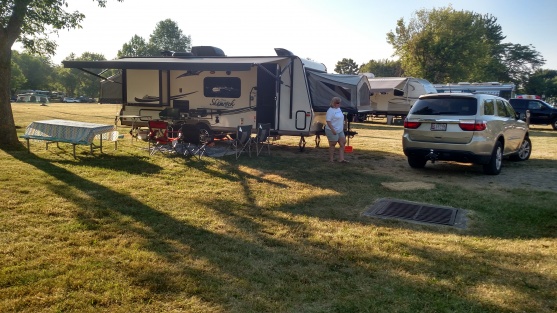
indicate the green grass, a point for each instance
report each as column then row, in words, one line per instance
column 125, row 232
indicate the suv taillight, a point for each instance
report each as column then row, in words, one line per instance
column 472, row 125
column 411, row 125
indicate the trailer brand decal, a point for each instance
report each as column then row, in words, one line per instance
column 189, row 73
column 147, row 98
column 222, row 103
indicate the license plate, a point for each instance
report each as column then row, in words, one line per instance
column 439, row 127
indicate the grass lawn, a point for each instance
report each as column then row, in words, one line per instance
column 125, row 232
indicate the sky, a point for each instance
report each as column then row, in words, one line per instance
column 325, row 31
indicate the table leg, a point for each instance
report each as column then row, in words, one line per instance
column 134, row 130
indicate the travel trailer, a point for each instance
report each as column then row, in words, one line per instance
column 503, row 90
column 218, row 93
column 32, row 97
column 393, row 96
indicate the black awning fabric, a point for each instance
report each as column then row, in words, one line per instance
column 191, row 64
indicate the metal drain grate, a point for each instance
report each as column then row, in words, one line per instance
column 423, row 213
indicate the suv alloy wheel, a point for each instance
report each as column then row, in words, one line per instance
column 494, row 165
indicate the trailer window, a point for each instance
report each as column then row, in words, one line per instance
column 345, row 92
column 222, row 87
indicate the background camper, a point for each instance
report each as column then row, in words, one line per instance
column 218, row 93
column 393, row 96
column 502, row 90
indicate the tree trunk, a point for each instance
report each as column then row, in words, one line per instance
column 8, row 134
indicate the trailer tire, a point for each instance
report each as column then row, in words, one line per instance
column 206, row 134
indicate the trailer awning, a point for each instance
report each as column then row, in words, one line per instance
column 173, row 63
column 386, row 84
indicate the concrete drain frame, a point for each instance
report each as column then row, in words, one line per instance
column 414, row 212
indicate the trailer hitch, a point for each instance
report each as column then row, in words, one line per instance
column 432, row 156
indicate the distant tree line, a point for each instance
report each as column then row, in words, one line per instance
column 441, row 45
column 447, row 46
column 36, row 72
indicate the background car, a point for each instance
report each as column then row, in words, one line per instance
column 468, row 128
column 70, row 100
column 84, row 99
column 541, row 112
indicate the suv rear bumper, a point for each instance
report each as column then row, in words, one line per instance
column 447, row 155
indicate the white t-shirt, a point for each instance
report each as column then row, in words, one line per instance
column 335, row 116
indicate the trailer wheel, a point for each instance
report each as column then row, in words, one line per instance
column 206, row 134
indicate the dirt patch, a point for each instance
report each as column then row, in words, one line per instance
column 408, row 185
column 377, row 150
column 523, row 175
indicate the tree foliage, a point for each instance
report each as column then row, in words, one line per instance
column 134, row 48
column 17, row 79
column 445, row 45
column 542, row 83
column 34, row 72
column 36, row 69
column 167, row 36
column 383, row 68
column 33, row 23
column 520, row 62
column 79, row 83
column 346, row 66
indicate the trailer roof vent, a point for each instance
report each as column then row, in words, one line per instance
column 182, row 54
column 283, row 52
column 207, row 51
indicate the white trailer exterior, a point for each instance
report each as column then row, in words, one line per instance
column 504, row 90
column 396, row 95
column 220, row 93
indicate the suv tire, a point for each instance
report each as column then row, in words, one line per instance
column 494, row 165
column 524, row 152
column 416, row 162
column 554, row 124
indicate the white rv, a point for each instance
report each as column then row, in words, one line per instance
column 504, row 90
column 393, row 96
column 219, row 93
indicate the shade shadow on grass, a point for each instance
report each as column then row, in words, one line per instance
column 275, row 273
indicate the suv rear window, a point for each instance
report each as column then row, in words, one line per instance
column 518, row 104
column 445, row 106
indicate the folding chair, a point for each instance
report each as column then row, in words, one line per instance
column 161, row 136
column 194, row 140
column 242, row 141
column 261, row 139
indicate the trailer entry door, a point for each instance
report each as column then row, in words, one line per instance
column 266, row 94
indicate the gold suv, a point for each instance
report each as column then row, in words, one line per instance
column 467, row 128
